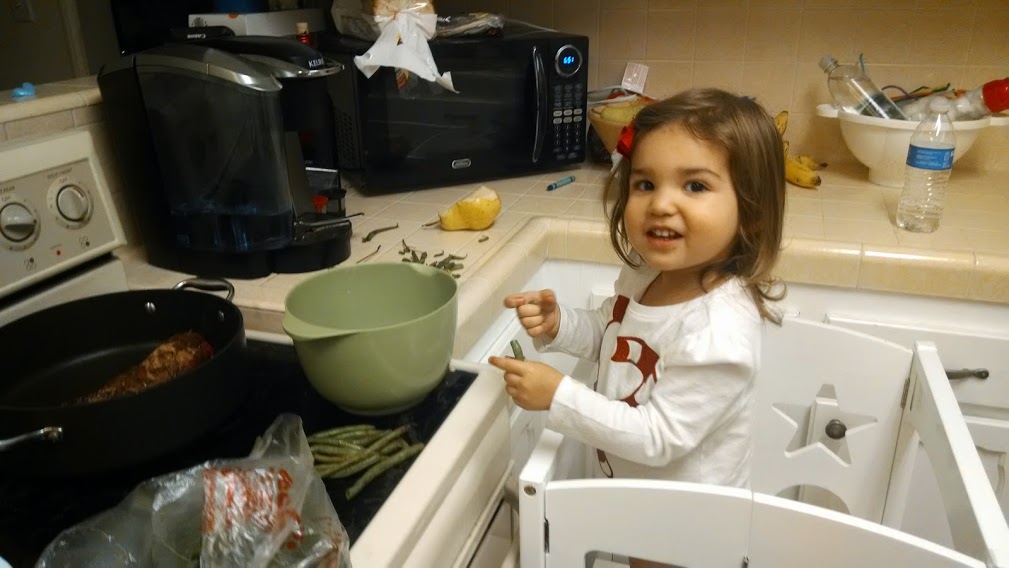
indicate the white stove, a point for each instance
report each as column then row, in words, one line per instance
column 58, row 225
column 58, row 228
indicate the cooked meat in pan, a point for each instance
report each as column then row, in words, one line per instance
column 179, row 354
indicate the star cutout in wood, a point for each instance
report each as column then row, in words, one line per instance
column 820, row 412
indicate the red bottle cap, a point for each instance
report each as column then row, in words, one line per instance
column 996, row 95
column 320, row 202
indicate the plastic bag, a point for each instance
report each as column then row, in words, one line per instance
column 269, row 509
column 404, row 29
column 472, row 24
column 359, row 18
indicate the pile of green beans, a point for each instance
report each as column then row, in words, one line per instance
column 447, row 263
column 346, row 451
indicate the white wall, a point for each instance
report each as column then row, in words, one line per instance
column 33, row 52
column 38, row 52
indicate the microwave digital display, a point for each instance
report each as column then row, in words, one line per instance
column 568, row 61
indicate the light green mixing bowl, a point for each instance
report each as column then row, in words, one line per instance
column 374, row 338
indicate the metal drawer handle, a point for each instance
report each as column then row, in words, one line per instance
column 967, row 374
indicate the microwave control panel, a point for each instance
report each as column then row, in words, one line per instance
column 567, row 107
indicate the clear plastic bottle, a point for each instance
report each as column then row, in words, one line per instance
column 929, row 162
column 987, row 99
column 853, row 91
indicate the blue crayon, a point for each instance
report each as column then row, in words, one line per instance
column 560, row 183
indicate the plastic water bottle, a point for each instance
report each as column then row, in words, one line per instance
column 853, row 91
column 929, row 162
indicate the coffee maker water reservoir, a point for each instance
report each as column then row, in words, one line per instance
column 215, row 168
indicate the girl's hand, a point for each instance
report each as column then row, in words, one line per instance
column 537, row 311
column 530, row 384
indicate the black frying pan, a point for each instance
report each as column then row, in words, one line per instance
column 66, row 351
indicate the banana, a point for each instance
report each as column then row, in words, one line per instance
column 798, row 174
column 810, row 163
column 781, row 122
column 799, row 170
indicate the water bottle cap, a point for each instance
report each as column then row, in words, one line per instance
column 827, row 62
column 939, row 104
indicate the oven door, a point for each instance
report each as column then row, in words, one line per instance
column 419, row 134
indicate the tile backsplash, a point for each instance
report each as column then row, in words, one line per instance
column 770, row 48
column 765, row 48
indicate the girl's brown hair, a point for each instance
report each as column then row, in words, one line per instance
column 747, row 133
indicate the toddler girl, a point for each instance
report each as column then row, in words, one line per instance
column 696, row 218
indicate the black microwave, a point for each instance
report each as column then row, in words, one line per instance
column 520, row 109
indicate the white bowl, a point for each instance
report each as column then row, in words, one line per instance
column 881, row 143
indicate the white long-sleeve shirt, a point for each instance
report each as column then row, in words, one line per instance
column 673, row 395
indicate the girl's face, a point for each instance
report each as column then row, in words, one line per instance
column 681, row 213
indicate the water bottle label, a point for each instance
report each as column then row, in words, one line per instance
column 930, row 158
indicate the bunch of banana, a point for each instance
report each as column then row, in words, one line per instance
column 800, row 169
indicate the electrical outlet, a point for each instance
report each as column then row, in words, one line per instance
column 23, row 11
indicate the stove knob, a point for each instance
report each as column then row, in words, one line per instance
column 73, row 203
column 17, row 223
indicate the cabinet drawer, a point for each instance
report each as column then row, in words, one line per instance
column 958, row 350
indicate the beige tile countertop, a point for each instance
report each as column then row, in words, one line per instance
column 55, row 107
column 841, row 234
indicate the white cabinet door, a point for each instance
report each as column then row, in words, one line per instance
column 812, row 375
column 985, row 404
column 991, row 437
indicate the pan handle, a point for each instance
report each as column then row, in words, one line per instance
column 208, row 285
column 50, row 433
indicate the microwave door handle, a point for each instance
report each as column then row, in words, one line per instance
column 541, row 103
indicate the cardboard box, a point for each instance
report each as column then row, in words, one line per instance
column 279, row 23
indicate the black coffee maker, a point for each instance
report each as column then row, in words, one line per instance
column 227, row 149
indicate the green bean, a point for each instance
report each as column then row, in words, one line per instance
column 388, row 437
column 394, row 447
column 335, row 450
column 381, row 467
column 328, row 459
column 369, row 255
column 345, row 443
column 325, row 469
column 372, row 234
column 364, row 438
column 517, row 350
column 341, row 430
column 341, row 466
column 357, row 466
